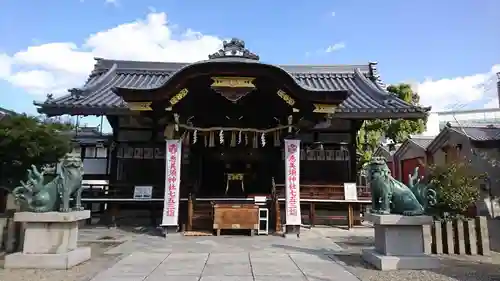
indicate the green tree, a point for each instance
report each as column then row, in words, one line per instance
column 372, row 131
column 26, row 141
column 457, row 188
column 368, row 138
column 400, row 130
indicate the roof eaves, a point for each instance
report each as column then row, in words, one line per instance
column 402, row 149
column 439, row 140
column 381, row 151
column 57, row 110
column 418, row 141
column 385, row 97
column 463, row 132
column 378, row 86
column 92, row 85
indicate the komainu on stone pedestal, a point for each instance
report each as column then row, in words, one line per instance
column 35, row 196
column 390, row 196
column 400, row 243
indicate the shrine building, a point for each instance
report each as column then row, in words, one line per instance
column 229, row 142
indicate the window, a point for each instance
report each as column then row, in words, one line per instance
column 96, row 152
column 102, row 152
column 90, row 152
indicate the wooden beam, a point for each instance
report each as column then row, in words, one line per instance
column 190, row 214
column 278, row 215
column 350, row 216
column 312, row 213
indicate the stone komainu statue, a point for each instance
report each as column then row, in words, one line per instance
column 35, row 196
column 390, row 196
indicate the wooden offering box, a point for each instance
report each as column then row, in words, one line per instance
column 236, row 216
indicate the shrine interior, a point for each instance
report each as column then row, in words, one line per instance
column 240, row 163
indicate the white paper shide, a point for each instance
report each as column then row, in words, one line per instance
column 172, row 182
column 292, row 182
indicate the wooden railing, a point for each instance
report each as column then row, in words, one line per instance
column 122, row 191
column 119, row 191
column 324, row 191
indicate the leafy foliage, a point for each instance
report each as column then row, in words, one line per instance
column 26, row 141
column 399, row 130
column 457, row 188
column 372, row 131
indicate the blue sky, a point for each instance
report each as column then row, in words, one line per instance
column 443, row 46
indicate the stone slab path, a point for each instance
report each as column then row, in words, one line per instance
column 243, row 266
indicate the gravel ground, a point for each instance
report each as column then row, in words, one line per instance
column 462, row 268
column 82, row 272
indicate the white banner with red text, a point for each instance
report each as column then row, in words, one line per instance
column 172, row 182
column 292, row 182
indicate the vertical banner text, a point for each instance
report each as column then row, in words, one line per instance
column 172, row 182
column 292, row 182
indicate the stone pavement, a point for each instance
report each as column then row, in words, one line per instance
column 152, row 258
column 258, row 266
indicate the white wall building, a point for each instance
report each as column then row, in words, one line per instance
column 437, row 120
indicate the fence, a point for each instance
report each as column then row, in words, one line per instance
column 460, row 237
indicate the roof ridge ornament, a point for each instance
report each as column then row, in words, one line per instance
column 235, row 48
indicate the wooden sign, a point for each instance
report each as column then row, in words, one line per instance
column 233, row 82
column 233, row 88
column 140, row 106
column 179, row 96
column 350, row 191
column 324, row 108
column 143, row 192
column 284, row 96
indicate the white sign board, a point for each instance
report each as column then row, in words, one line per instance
column 172, row 182
column 292, row 182
column 143, row 192
column 350, row 191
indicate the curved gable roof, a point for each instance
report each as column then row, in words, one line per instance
column 367, row 98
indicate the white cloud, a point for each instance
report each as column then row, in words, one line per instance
column 493, row 103
column 5, row 65
column 57, row 66
column 332, row 14
column 445, row 94
column 335, row 47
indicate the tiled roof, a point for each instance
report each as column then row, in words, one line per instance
column 4, row 111
column 475, row 133
column 385, row 151
column 367, row 93
column 479, row 133
column 422, row 141
column 87, row 135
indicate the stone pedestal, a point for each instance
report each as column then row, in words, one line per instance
column 50, row 241
column 399, row 243
column 292, row 231
column 170, row 230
